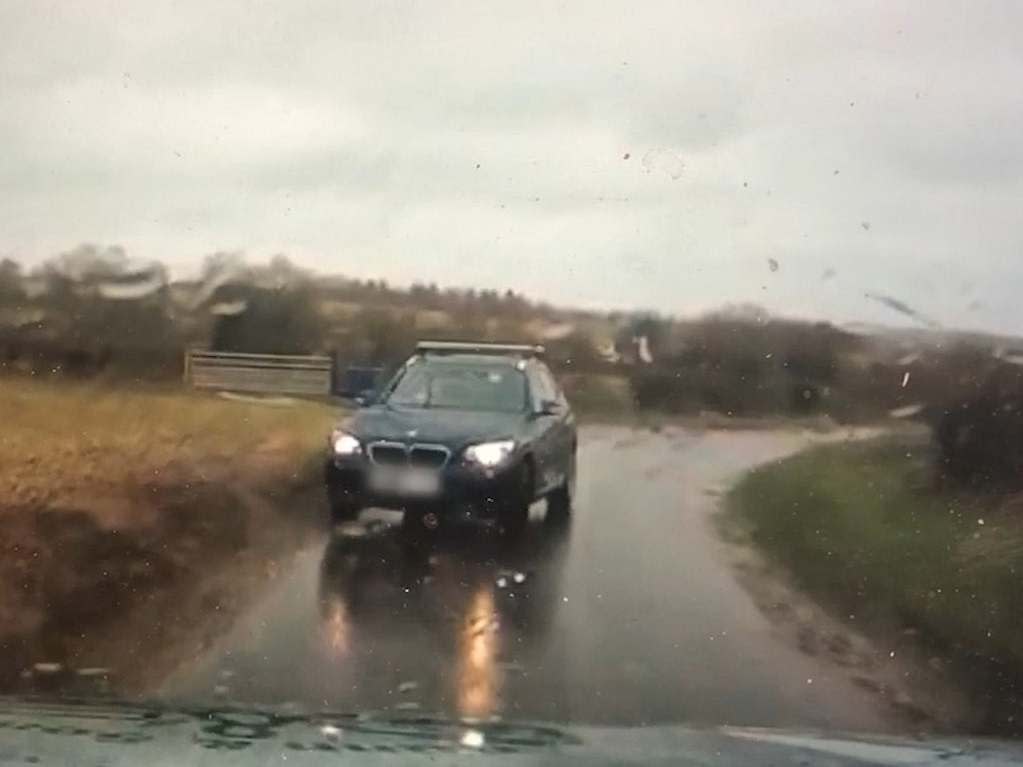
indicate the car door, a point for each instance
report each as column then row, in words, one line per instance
column 550, row 428
column 541, row 430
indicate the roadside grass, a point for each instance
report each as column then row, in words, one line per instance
column 600, row 397
column 120, row 505
column 864, row 528
column 71, row 438
column 609, row 399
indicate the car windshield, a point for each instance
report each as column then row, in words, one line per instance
column 625, row 363
column 460, row 387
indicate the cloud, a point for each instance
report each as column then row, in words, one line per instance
column 430, row 141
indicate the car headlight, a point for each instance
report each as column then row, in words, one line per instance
column 489, row 454
column 343, row 443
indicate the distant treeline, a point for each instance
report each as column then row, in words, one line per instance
column 94, row 311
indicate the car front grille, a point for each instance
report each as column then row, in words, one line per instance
column 388, row 455
column 428, row 456
column 417, row 455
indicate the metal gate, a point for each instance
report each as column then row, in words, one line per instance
column 264, row 373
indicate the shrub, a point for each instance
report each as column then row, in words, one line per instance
column 981, row 438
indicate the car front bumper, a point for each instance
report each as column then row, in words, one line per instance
column 464, row 489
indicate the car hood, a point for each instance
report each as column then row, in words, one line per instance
column 116, row 734
column 454, row 428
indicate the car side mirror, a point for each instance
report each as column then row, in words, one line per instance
column 363, row 398
column 550, row 407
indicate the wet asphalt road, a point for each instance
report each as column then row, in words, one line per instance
column 628, row 614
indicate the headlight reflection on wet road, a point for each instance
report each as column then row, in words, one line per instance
column 335, row 627
column 478, row 674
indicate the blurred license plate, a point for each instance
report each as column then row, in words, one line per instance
column 406, row 481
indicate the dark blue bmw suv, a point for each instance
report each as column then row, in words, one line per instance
column 463, row 429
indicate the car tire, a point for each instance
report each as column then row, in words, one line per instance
column 515, row 513
column 419, row 521
column 559, row 500
column 342, row 505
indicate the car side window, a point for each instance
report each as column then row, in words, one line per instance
column 542, row 386
column 550, row 386
column 536, row 391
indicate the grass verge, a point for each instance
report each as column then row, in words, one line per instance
column 113, row 497
column 863, row 528
column 65, row 442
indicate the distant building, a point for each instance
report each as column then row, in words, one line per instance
column 643, row 349
column 557, row 331
column 1014, row 355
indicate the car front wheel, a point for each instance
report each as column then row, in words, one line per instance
column 559, row 501
column 515, row 511
column 343, row 505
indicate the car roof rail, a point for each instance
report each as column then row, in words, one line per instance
column 471, row 347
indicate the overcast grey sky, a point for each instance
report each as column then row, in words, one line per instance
column 596, row 153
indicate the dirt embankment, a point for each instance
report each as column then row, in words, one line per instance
column 133, row 523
